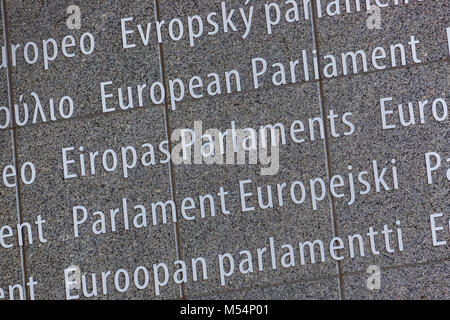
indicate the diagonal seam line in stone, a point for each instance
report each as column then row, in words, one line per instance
column 14, row 146
column 168, row 130
column 326, row 142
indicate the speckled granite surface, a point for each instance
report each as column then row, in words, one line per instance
column 418, row 272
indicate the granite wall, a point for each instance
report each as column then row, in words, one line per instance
column 417, row 268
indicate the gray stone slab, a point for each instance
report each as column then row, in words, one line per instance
column 426, row 20
column 309, row 290
column 414, row 200
column 423, row 282
column 10, row 258
column 240, row 230
column 80, row 76
column 53, row 197
column 224, row 52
